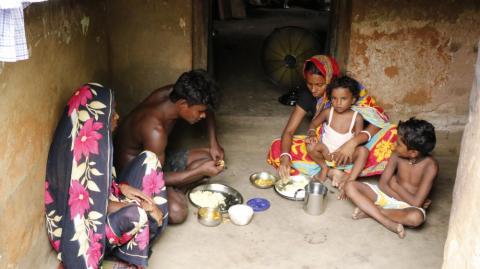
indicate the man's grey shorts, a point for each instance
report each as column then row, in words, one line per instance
column 175, row 160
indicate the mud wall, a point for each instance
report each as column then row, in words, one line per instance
column 416, row 57
column 150, row 46
column 67, row 45
column 462, row 245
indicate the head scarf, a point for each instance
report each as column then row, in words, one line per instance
column 78, row 178
column 329, row 69
column 327, row 66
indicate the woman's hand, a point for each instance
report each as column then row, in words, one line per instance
column 284, row 168
column 311, row 139
column 154, row 212
column 344, row 155
column 135, row 194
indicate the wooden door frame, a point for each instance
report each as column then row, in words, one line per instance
column 201, row 27
column 340, row 26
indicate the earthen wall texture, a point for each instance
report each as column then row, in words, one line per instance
column 67, row 44
column 462, row 248
column 416, row 57
column 150, row 46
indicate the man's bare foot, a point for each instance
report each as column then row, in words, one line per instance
column 427, row 203
column 358, row 214
column 321, row 176
column 337, row 177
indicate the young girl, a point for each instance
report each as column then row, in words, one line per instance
column 341, row 124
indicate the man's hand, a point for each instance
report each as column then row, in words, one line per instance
column 344, row 155
column 135, row 194
column 210, row 168
column 154, row 211
column 217, row 153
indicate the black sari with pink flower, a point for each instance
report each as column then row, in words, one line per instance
column 79, row 185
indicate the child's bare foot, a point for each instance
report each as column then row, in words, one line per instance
column 401, row 231
column 321, row 176
column 342, row 195
column 337, row 177
column 398, row 229
column 358, row 214
column 427, row 203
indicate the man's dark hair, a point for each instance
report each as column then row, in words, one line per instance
column 344, row 82
column 197, row 88
column 417, row 135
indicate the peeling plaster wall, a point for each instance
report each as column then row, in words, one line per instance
column 150, row 46
column 416, row 57
column 462, row 248
column 67, row 44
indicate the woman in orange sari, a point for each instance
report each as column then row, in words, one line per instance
column 289, row 153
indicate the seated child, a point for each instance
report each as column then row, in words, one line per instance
column 405, row 183
column 341, row 125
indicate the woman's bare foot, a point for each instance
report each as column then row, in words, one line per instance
column 60, row 266
column 358, row 214
column 321, row 176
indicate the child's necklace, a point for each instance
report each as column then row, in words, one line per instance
column 414, row 161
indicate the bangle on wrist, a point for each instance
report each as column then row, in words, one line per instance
column 286, row 154
column 368, row 134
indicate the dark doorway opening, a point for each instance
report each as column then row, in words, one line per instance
column 258, row 57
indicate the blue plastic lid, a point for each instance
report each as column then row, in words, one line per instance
column 258, row 204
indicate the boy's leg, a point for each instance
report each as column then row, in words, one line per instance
column 197, row 157
column 411, row 217
column 363, row 197
column 318, row 153
column 177, row 200
column 177, row 206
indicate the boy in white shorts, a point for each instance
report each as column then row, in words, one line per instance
column 405, row 183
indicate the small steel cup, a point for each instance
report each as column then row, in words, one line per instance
column 209, row 216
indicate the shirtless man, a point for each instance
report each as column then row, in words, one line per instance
column 405, row 183
column 147, row 128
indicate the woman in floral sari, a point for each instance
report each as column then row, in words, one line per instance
column 89, row 215
column 289, row 153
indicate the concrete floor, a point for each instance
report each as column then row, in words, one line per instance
column 285, row 236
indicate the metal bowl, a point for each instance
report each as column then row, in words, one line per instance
column 232, row 196
column 290, row 190
column 209, row 216
column 263, row 180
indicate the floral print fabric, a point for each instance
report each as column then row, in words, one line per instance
column 78, row 178
column 130, row 231
column 79, row 183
